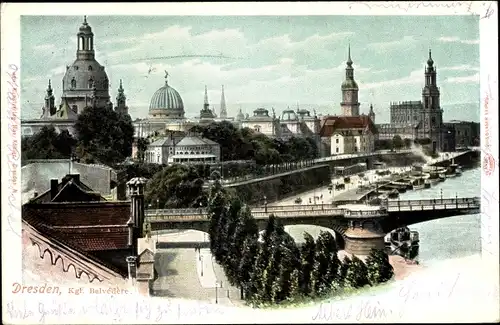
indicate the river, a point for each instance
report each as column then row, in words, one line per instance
column 441, row 239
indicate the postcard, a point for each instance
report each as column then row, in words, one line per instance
column 329, row 162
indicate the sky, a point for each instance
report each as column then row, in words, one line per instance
column 268, row 61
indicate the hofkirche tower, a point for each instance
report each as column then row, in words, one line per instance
column 349, row 104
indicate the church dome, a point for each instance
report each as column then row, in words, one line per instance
column 349, row 84
column 166, row 103
column 83, row 75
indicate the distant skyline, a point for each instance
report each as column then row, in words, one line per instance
column 266, row 61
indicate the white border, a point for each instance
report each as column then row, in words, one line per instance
column 11, row 250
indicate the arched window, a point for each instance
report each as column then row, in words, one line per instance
column 73, row 83
column 90, row 68
column 91, row 82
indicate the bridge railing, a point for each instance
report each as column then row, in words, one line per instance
column 472, row 200
column 180, row 217
column 175, row 212
column 368, row 213
column 193, row 214
column 300, row 213
column 309, row 207
column 470, row 205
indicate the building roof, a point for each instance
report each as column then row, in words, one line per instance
column 165, row 141
column 195, row 141
column 69, row 189
column 89, row 226
column 330, row 124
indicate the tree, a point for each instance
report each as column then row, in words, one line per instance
column 343, row 270
column 175, row 186
column 357, row 273
column 397, row 142
column 307, row 255
column 104, row 135
column 142, row 146
column 408, row 143
column 326, row 263
column 48, row 144
column 379, row 268
column 246, row 265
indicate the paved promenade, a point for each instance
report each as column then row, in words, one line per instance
column 323, row 195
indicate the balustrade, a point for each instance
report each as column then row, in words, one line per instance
column 194, row 214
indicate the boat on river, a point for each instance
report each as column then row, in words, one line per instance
column 418, row 183
column 402, row 240
column 390, row 193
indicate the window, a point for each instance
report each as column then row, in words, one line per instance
column 337, row 140
column 90, row 68
column 73, row 83
column 91, row 83
column 336, row 149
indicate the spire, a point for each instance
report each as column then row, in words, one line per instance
column 430, row 62
column 223, row 110
column 49, row 90
column 349, row 61
column 206, row 97
column 85, row 20
column 166, row 78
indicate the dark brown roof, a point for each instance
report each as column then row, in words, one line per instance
column 91, row 226
column 69, row 189
column 330, row 124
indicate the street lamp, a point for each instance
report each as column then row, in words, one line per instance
column 201, row 256
column 441, row 190
column 265, row 204
column 216, row 286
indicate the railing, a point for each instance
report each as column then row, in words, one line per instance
column 470, row 205
column 368, row 213
column 471, row 200
column 199, row 214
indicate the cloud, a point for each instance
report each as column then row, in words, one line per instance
column 465, row 79
column 415, row 77
column 44, row 47
column 455, row 39
column 381, row 46
column 463, row 67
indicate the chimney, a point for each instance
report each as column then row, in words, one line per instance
column 53, row 188
column 136, row 191
column 75, row 177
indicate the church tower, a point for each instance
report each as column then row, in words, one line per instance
column 121, row 101
column 371, row 114
column 50, row 107
column 206, row 106
column 85, row 74
column 206, row 114
column 432, row 115
column 223, row 111
column 349, row 104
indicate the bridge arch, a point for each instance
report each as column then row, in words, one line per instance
column 297, row 233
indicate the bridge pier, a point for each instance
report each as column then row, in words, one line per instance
column 364, row 231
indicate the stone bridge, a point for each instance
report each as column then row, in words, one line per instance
column 341, row 219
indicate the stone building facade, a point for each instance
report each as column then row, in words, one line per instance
column 420, row 119
column 85, row 83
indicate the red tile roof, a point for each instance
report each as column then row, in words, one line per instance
column 91, row 226
column 330, row 124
